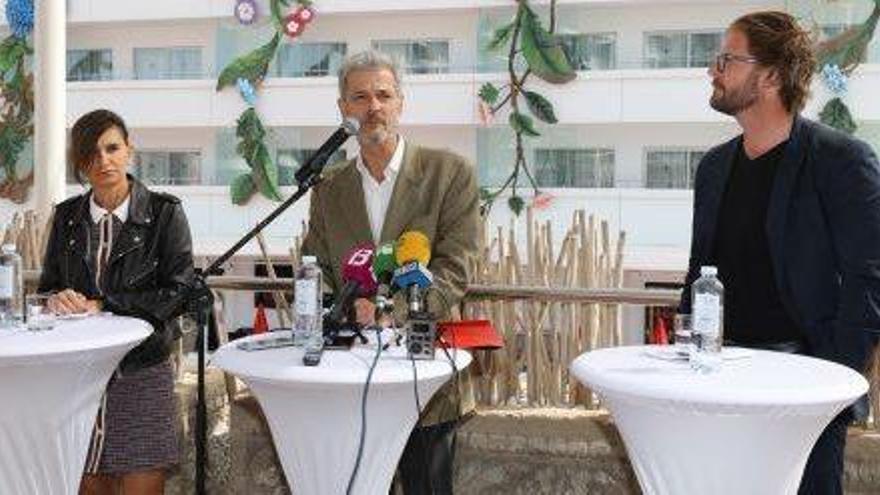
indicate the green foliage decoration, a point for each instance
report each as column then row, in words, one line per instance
column 251, row 69
column 526, row 40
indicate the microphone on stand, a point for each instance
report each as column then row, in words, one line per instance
column 412, row 254
column 313, row 166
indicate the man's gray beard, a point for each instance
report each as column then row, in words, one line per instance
column 734, row 103
column 375, row 138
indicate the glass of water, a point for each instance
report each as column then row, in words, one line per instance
column 684, row 337
column 38, row 314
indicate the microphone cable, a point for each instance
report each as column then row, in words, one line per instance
column 360, row 451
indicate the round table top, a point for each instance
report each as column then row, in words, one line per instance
column 349, row 367
column 72, row 336
column 749, row 378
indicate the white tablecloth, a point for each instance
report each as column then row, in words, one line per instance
column 51, row 384
column 314, row 413
column 747, row 429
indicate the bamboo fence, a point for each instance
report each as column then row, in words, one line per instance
column 543, row 336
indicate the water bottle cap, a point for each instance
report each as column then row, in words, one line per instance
column 309, row 259
column 709, row 271
column 8, row 248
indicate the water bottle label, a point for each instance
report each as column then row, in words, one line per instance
column 6, row 281
column 707, row 313
column 306, row 297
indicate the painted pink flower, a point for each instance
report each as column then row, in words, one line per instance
column 292, row 26
column 542, row 201
column 305, row 15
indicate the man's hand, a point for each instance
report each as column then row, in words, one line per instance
column 365, row 311
column 70, row 301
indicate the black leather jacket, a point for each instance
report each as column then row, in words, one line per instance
column 150, row 262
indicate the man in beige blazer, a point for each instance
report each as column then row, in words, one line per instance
column 394, row 186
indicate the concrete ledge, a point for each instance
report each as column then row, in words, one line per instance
column 552, row 451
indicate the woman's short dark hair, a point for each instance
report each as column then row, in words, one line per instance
column 84, row 139
column 778, row 42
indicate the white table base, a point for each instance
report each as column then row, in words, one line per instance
column 730, row 454
column 50, row 403
column 314, row 414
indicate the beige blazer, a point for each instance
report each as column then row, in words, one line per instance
column 435, row 193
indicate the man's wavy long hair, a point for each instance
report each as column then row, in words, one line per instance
column 779, row 43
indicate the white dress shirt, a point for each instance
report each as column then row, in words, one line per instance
column 377, row 196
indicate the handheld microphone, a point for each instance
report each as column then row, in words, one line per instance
column 384, row 264
column 357, row 273
column 413, row 246
column 413, row 253
column 313, row 166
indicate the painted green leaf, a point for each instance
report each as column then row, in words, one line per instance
column 837, row 115
column 540, row 107
column 11, row 51
column 489, row 93
column 266, row 173
column 543, row 52
column 516, row 204
column 523, row 124
column 242, row 188
column 485, row 194
column 252, row 66
column 500, row 36
column 249, row 126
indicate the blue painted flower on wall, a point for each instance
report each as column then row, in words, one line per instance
column 246, row 89
column 20, row 16
column 835, row 79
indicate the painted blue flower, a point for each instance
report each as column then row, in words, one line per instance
column 20, row 16
column 247, row 91
column 835, row 79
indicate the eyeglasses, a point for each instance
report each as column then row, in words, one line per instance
column 722, row 59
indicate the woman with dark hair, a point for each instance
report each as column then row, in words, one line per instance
column 124, row 249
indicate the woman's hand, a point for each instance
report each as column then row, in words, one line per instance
column 70, row 301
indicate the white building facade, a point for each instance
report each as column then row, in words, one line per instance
column 631, row 129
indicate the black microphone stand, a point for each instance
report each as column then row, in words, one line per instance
column 197, row 298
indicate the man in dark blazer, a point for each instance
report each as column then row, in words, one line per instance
column 394, row 186
column 789, row 212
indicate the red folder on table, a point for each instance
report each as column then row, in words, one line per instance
column 469, row 334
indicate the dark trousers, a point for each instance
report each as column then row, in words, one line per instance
column 823, row 474
column 426, row 464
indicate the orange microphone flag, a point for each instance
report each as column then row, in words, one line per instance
column 261, row 325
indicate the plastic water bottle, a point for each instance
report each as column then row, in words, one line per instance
column 11, row 288
column 308, row 323
column 707, row 305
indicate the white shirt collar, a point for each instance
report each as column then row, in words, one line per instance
column 377, row 196
column 391, row 170
column 97, row 212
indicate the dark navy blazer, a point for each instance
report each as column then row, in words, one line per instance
column 823, row 226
